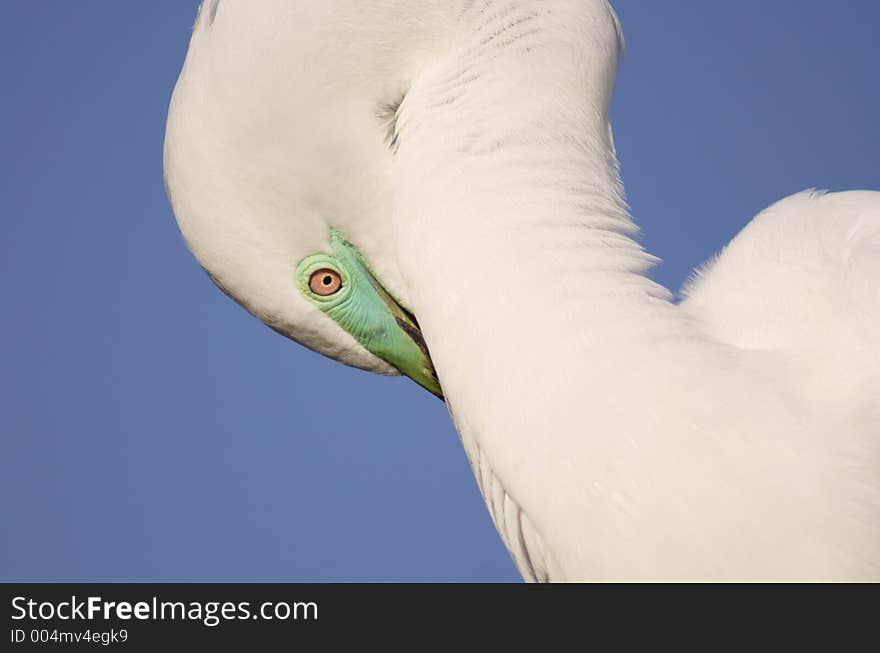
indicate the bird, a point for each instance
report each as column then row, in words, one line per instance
column 431, row 189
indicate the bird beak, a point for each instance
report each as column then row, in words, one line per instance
column 428, row 377
column 372, row 315
column 413, row 361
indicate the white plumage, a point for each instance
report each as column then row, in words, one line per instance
column 465, row 147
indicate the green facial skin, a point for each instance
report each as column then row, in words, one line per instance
column 369, row 313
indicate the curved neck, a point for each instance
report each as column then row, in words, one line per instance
column 596, row 405
column 511, row 220
column 515, row 241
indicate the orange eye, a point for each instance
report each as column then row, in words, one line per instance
column 325, row 282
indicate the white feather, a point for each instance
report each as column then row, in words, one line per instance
column 614, row 433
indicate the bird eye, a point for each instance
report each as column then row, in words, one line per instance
column 325, row 282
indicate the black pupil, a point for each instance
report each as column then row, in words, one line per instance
column 327, row 280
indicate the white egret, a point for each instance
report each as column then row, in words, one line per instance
column 380, row 180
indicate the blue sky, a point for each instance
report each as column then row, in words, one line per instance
column 152, row 430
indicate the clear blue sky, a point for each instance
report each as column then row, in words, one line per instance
column 152, row 430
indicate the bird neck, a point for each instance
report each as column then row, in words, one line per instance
column 533, row 237
column 521, row 264
column 577, row 387
column 511, row 223
column 519, row 254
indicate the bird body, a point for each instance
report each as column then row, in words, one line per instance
column 465, row 150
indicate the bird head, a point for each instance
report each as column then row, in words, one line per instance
column 279, row 156
column 307, row 142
